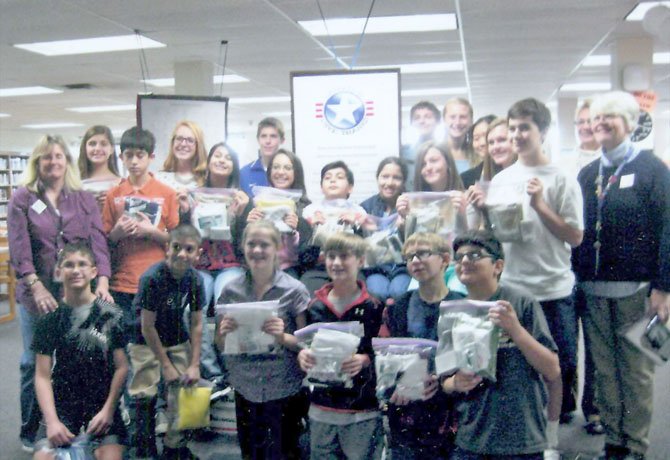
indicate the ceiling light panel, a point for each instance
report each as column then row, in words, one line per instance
column 598, row 60
column 381, row 25
column 435, row 91
column 423, row 67
column 103, row 108
column 590, row 86
column 217, row 80
column 641, row 9
column 28, row 91
column 52, row 125
column 91, row 45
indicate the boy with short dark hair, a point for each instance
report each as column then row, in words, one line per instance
column 162, row 346
column 504, row 419
column 85, row 339
column 337, row 183
column 425, row 428
column 270, row 135
column 135, row 241
column 346, row 420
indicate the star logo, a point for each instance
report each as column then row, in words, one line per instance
column 344, row 110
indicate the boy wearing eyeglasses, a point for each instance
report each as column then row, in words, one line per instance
column 425, row 428
column 162, row 345
column 81, row 365
column 505, row 418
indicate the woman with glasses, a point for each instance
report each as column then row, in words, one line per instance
column 424, row 428
column 477, row 136
column 47, row 212
column 623, row 265
column 185, row 167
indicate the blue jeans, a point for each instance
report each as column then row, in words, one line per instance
column 30, row 411
column 383, row 287
column 562, row 322
column 216, row 280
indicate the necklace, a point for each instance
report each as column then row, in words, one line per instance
column 601, row 194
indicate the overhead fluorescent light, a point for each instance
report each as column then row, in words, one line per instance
column 597, row 60
column 91, row 45
column 590, row 86
column 27, row 91
column 434, row 91
column 661, row 58
column 259, row 100
column 277, row 114
column 229, row 78
column 641, row 9
column 4, row 115
column 424, row 67
column 381, row 24
column 103, row 108
column 52, row 125
column 218, row 79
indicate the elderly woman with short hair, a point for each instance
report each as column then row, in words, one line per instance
column 47, row 212
column 623, row 260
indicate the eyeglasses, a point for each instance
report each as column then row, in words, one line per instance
column 188, row 140
column 473, row 256
column 422, row 255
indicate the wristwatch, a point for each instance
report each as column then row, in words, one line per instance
column 31, row 283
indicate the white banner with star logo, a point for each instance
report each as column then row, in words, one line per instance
column 353, row 116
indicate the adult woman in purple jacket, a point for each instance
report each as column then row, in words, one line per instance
column 47, row 212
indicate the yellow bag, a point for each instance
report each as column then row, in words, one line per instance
column 192, row 408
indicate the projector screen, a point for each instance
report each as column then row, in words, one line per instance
column 160, row 115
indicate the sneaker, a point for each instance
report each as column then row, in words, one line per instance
column 552, row 454
column 161, row 423
column 27, row 445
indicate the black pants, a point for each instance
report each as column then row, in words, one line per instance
column 270, row 430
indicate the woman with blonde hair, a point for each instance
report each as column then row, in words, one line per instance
column 185, row 167
column 49, row 211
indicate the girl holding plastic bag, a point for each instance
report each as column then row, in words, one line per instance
column 185, row 167
column 433, row 210
column 386, row 279
column 269, row 404
column 285, row 173
column 97, row 162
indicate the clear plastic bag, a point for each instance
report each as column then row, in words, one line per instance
column 431, row 212
column 249, row 337
column 384, row 244
column 132, row 205
column 504, row 210
column 331, row 344
column 402, row 365
column 468, row 339
column 211, row 212
column 79, row 449
column 276, row 204
column 332, row 211
column 188, row 406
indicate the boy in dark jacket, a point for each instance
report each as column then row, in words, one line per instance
column 424, row 428
column 346, row 421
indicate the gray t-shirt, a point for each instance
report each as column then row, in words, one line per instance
column 267, row 377
column 507, row 417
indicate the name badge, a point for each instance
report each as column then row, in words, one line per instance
column 627, row 181
column 39, row 206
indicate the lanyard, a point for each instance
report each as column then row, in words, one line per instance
column 601, row 194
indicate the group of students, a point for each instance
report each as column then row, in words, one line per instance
column 161, row 266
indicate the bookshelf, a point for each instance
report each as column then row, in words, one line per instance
column 12, row 165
